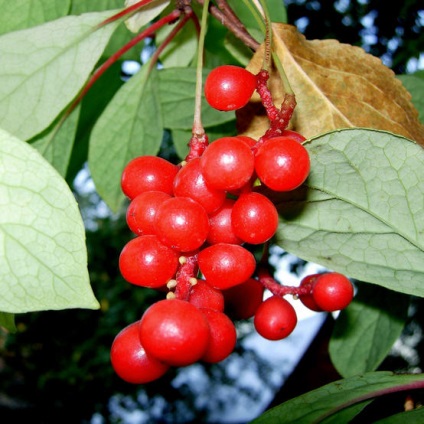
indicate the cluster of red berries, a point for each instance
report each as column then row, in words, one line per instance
column 192, row 224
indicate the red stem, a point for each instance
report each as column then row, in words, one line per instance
column 130, row 9
column 187, row 271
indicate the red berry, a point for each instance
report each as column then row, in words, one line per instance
column 282, row 163
column 225, row 265
column 141, row 212
column 223, row 336
column 129, row 359
column 294, row 135
column 242, row 301
column 332, row 291
column 190, row 182
column 148, row 173
column 227, row 163
column 254, row 218
column 308, row 299
column 275, row 318
column 220, row 226
column 229, row 87
column 145, row 261
column 203, row 295
column 182, row 223
column 174, row 331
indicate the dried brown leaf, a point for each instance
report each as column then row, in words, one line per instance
column 336, row 86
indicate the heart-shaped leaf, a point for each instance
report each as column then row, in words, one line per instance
column 361, row 211
column 336, row 86
column 44, row 67
column 43, row 257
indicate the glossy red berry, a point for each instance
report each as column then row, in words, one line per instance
column 225, row 265
column 282, row 163
column 332, row 291
column 227, row 163
column 141, row 212
column 190, row 182
column 308, row 299
column 203, row 295
column 222, row 338
column 294, row 135
column 130, row 361
column 242, row 301
column 148, row 173
column 182, row 223
column 229, row 87
column 145, row 261
column 275, row 318
column 254, row 218
column 220, row 225
column 174, row 331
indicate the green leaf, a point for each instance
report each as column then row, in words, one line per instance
column 146, row 15
column 84, row 6
column 56, row 143
column 130, row 126
column 346, row 415
column 45, row 67
column 177, row 92
column 7, row 321
column 366, row 330
column 319, row 404
column 16, row 15
column 361, row 211
column 415, row 85
column 416, row 416
column 43, row 257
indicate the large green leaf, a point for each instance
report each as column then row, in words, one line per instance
column 43, row 257
column 177, row 93
column 361, row 211
column 130, row 126
column 22, row 14
column 44, row 67
column 366, row 330
column 319, row 404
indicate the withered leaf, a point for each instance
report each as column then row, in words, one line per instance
column 336, row 86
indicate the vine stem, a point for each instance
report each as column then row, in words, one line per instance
column 199, row 139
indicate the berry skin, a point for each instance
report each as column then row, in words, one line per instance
column 293, row 134
column 220, row 225
column 223, row 336
column 332, row 291
column 148, row 173
column 130, row 361
column 254, row 218
column 146, row 262
column 174, row 331
column 227, row 163
column 282, row 163
column 141, row 211
column 308, row 299
column 242, row 301
column 225, row 265
column 203, row 295
column 182, row 224
column 275, row 318
column 229, row 87
column 190, row 182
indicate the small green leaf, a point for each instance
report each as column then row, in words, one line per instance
column 7, row 321
column 361, row 211
column 43, row 257
column 44, row 67
column 148, row 13
column 416, row 416
column 177, row 93
column 415, row 85
column 320, row 404
column 130, row 126
column 367, row 329
column 56, row 143
column 16, row 15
